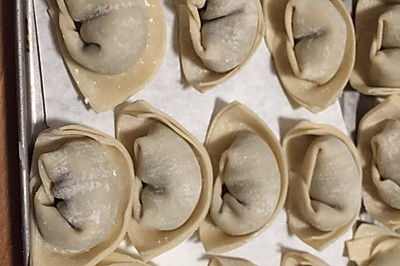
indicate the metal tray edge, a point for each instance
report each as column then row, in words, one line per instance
column 31, row 111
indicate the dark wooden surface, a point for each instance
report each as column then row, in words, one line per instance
column 10, row 218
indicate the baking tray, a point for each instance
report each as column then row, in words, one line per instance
column 31, row 115
column 40, row 103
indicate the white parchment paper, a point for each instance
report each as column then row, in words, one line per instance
column 256, row 86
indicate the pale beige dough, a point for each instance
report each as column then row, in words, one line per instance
column 373, row 245
column 227, row 33
column 385, row 166
column 121, row 259
column 81, row 191
column 324, row 195
column 217, row 38
column 112, row 35
column 378, row 143
column 171, row 179
column 376, row 70
column 118, row 50
column 313, row 56
column 82, row 180
column 316, row 45
column 296, row 258
column 250, row 179
column 385, row 50
column 249, row 171
column 172, row 168
column 228, row 261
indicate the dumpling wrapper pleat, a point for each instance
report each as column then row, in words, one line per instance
column 373, row 245
column 120, row 259
column 295, row 258
column 228, row 261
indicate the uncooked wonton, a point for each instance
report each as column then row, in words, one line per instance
column 324, row 196
column 81, row 190
column 378, row 143
column 112, row 48
column 376, row 71
column 313, row 46
column 217, row 38
column 173, row 179
column 250, row 179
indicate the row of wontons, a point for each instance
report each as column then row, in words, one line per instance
column 158, row 184
column 154, row 183
column 314, row 56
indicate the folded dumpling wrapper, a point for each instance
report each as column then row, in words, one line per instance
column 296, row 258
column 116, row 51
column 374, row 245
column 250, row 179
column 121, row 259
column 313, row 55
column 377, row 67
column 217, row 38
column 324, row 196
column 378, row 143
column 81, row 190
column 173, row 179
column 228, row 261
